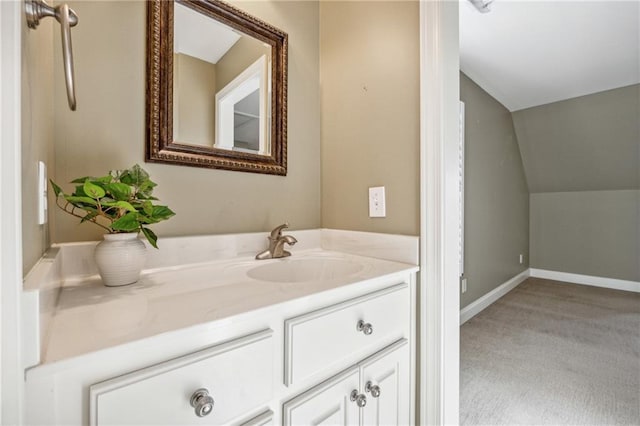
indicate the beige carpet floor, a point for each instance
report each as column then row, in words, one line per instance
column 552, row 353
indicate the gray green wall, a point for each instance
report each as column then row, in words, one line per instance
column 587, row 232
column 496, row 195
column 590, row 143
column 582, row 158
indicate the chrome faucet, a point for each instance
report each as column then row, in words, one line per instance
column 276, row 244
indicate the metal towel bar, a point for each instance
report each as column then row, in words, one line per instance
column 37, row 9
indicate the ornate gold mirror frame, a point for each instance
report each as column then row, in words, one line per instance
column 160, row 144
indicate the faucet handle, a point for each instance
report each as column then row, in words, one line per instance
column 277, row 231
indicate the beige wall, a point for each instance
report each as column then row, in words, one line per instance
column 194, row 100
column 107, row 131
column 370, row 121
column 496, row 195
column 37, row 133
column 245, row 52
column 369, row 73
column 588, row 232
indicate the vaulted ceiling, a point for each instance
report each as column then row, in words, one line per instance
column 589, row 143
column 200, row 36
column 527, row 53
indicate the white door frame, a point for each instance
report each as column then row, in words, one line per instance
column 11, row 376
column 439, row 213
column 255, row 76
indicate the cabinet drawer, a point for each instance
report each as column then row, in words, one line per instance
column 323, row 338
column 237, row 375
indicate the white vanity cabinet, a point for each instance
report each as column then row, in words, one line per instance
column 209, row 380
column 342, row 354
column 374, row 392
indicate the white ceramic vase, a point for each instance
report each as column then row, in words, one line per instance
column 120, row 258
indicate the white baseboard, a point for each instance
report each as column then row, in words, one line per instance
column 612, row 283
column 479, row 305
column 485, row 301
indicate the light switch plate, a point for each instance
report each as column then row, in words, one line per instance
column 42, row 193
column 377, row 204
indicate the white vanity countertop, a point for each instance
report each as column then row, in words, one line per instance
column 89, row 316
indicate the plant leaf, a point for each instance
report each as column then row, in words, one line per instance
column 104, row 179
column 120, row 191
column 128, row 222
column 78, row 200
column 146, row 187
column 56, row 189
column 141, row 196
column 161, row 213
column 146, row 219
column 79, row 191
column 93, row 190
column 149, row 184
column 89, row 216
column 135, row 176
column 151, row 237
column 82, row 179
column 121, row 205
column 147, row 207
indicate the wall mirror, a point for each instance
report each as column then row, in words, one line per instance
column 216, row 88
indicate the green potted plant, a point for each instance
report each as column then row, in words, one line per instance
column 121, row 203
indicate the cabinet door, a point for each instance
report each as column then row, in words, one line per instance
column 388, row 375
column 328, row 403
column 264, row 419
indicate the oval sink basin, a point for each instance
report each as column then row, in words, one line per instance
column 300, row 270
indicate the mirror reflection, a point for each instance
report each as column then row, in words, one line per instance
column 216, row 88
column 221, row 85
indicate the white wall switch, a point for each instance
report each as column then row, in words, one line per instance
column 521, row 259
column 377, row 205
column 463, row 284
column 42, row 193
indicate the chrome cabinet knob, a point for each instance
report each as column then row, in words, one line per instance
column 359, row 399
column 374, row 389
column 365, row 327
column 202, row 402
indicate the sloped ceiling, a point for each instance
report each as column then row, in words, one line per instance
column 527, row 53
column 200, row 36
column 569, row 71
column 590, row 143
